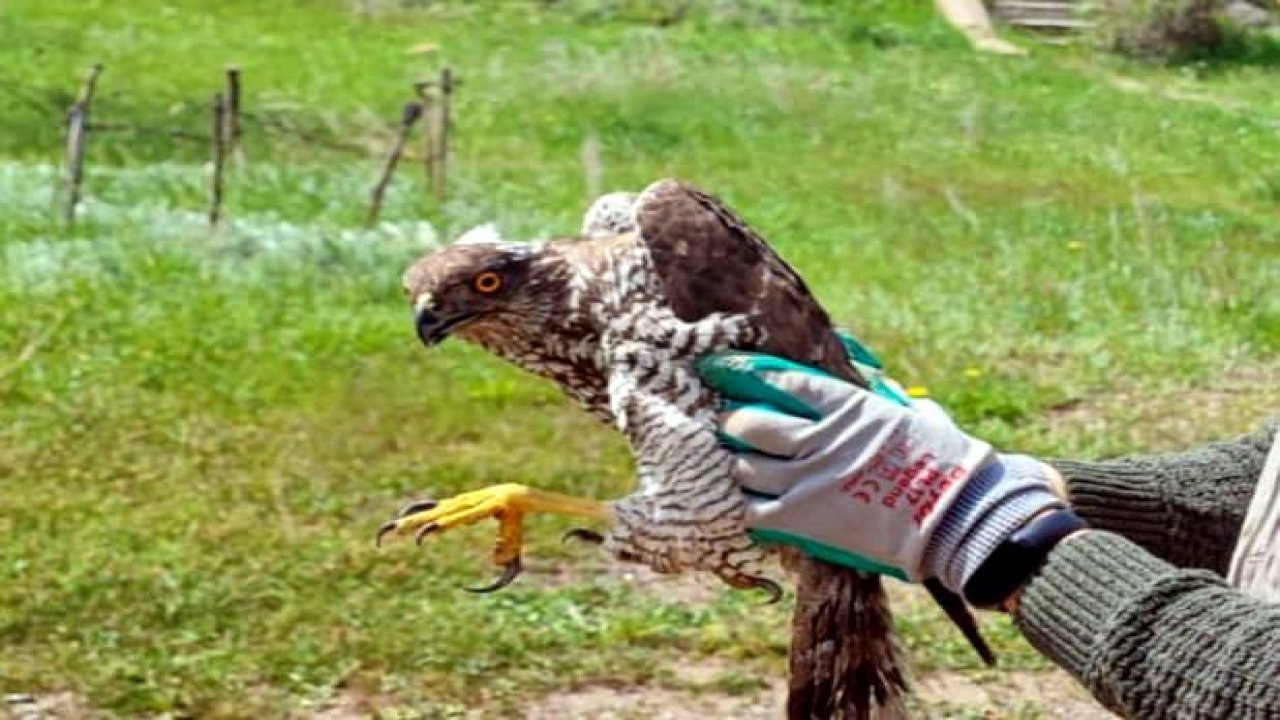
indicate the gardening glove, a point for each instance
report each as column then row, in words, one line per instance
column 863, row 481
column 872, row 370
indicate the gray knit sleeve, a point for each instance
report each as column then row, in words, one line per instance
column 1185, row 508
column 1150, row 640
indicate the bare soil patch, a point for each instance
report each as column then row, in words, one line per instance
column 51, row 706
column 986, row 694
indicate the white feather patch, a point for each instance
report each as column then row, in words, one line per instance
column 610, row 214
column 486, row 234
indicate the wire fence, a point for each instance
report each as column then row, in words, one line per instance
column 231, row 122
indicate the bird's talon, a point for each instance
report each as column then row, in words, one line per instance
column 584, row 535
column 386, row 528
column 629, row 557
column 424, row 531
column 507, row 503
column 417, row 507
column 740, row 581
column 771, row 588
column 509, row 573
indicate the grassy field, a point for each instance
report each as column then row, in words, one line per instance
column 200, row 432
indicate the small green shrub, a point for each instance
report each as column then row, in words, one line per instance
column 1160, row 29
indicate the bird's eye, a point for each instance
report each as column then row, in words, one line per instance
column 487, row 282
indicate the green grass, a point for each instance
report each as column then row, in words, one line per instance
column 206, row 430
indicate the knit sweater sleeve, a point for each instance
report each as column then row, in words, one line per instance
column 1185, row 508
column 1150, row 640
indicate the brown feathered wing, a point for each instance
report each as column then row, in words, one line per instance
column 843, row 663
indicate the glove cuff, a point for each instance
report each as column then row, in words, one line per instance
column 1000, row 498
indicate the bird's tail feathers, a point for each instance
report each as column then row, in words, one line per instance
column 844, row 662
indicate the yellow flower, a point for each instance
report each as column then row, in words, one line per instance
column 973, row 372
column 917, row 391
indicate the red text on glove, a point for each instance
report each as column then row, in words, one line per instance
column 895, row 475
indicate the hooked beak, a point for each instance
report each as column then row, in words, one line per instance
column 433, row 328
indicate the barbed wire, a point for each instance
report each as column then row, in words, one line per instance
column 78, row 118
column 55, row 102
column 148, row 130
column 270, row 124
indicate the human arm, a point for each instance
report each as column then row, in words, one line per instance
column 1183, row 507
column 1132, row 628
column 1158, row 639
column 1148, row 639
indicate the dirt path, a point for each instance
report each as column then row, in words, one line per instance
column 1013, row 694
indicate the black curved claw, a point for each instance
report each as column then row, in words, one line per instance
column 420, row 506
column 509, row 573
column 771, row 588
column 956, row 609
column 382, row 532
column 583, row 534
column 628, row 557
column 424, row 531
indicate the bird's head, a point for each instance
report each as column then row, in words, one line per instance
column 481, row 284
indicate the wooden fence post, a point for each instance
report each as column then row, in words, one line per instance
column 447, row 86
column 412, row 111
column 77, row 131
column 233, row 110
column 218, row 135
column 422, row 89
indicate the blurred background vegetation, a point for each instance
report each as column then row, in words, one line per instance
column 1077, row 251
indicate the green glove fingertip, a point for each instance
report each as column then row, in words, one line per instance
column 739, row 376
column 870, row 366
column 858, row 352
column 733, row 443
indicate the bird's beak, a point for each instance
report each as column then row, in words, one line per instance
column 432, row 327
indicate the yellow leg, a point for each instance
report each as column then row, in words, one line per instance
column 970, row 17
column 507, row 503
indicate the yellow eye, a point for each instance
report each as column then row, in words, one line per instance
column 487, row 282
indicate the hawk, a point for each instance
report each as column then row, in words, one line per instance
column 616, row 317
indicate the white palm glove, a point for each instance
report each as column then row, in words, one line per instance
column 860, row 480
